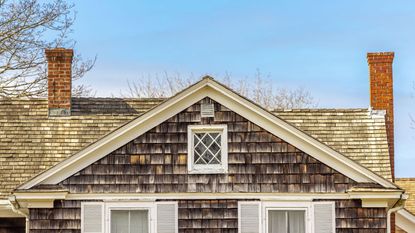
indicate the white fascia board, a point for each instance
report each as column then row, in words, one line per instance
column 40, row 195
column 405, row 220
column 376, row 195
column 196, row 196
column 207, row 88
column 44, row 200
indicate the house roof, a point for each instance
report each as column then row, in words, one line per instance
column 408, row 184
column 30, row 142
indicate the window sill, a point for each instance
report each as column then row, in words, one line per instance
column 208, row 171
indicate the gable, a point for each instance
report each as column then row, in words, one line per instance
column 258, row 161
column 207, row 88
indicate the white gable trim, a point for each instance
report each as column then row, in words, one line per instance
column 206, row 88
column 405, row 220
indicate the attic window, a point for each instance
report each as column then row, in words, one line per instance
column 207, row 147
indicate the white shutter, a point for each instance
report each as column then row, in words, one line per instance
column 324, row 217
column 92, row 217
column 249, row 217
column 167, row 220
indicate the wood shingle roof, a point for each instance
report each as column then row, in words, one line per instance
column 31, row 142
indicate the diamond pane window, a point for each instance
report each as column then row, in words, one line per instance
column 207, row 149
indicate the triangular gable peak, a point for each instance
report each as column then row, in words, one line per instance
column 257, row 161
column 207, row 87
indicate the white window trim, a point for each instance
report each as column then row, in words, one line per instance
column 306, row 206
column 207, row 169
column 149, row 206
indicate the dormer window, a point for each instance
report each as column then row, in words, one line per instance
column 207, row 147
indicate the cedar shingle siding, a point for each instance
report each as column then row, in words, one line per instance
column 209, row 216
column 25, row 128
column 258, row 161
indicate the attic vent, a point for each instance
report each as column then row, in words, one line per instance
column 207, row 110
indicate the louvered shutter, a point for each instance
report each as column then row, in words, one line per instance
column 92, row 217
column 249, row 217
column 167, row 221
column 324, row 218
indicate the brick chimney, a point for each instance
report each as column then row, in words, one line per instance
column 59, row 81
column 381, row 93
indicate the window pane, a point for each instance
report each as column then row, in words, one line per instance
column 129, row 221
column 207, row 148
column 139, row 221
column 119, row 221
column 277, row 221
column 296, row 221
column 207, row 139
column 286, row 221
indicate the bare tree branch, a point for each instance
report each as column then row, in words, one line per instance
column 27, row 28
column 261, row 91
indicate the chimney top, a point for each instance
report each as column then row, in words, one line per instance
column 380, row 57
column 59, row 81
column 381, row 94
column 59, row 54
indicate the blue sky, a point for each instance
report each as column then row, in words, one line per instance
column 319, row 45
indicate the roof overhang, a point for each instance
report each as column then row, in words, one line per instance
column 37, row 199
column 377, row 198
column 207, row 87
column 6, row 210
column 28, row 199
column 405, row 220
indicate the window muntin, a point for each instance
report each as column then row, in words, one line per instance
column 129, row 221
column 207, row 147
column 286, row 221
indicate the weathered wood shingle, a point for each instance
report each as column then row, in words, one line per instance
column 156, row 162
column 30, row 142
column 209, row 216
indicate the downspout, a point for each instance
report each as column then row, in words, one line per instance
column 398, row 206
column 17, row 211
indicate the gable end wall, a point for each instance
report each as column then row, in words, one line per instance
column 258, row 162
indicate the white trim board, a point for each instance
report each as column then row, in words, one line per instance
column 405, row 220
column 196, row 196
column 207, row 87
column 262, row 196
column 222, row 167
column 307, row 207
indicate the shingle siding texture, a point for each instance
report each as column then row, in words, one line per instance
column 156, row 162
column 30, row 142
column 209, row 216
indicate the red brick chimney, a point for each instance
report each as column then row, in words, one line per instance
column 59, row 81
column 381, row 93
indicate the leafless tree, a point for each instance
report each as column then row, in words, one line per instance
column 27, row 27
column 261, row 91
